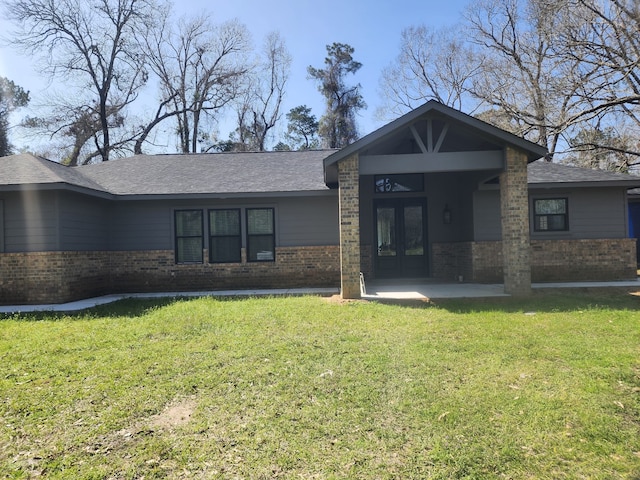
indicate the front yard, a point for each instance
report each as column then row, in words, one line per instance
column 307, row 388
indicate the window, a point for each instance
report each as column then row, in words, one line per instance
column 224, row 236
column 550, row 214
column 261, row 239
column 399, row 183
column 188, row 228
column 1, row 226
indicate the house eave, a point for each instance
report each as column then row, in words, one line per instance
column 226, row 195
column 626, row 184
column 23, row 187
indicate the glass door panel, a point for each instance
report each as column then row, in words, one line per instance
column 413, row 231
column 386, row 222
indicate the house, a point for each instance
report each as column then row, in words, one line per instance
column 436, row 193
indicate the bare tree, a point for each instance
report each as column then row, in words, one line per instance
column 604, row 37
column 543, row 69
column 432, row 65
column 200, row 67
column 259, row 106
column 527, row 75
column 90, row 45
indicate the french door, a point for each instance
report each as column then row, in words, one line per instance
column 401, row 238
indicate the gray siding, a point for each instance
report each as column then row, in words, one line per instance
column 593, row 213
column 308, row 221
column 84, row 223
column 300, row 221
column 31, row 221
column 486, row 216
column 142, row 225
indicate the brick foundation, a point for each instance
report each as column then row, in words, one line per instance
column 551, row 260
column 58, row 277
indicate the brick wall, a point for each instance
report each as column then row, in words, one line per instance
column 366, row 260
column 52, row 277
column 452, row 260
column 57, row 277
column 585, row 260
column 551, row 260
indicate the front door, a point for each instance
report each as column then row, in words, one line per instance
column 400, row 238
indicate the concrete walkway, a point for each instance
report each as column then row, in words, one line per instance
column 395, row 290
column 94, row 302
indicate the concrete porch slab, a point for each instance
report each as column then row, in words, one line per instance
column 426, row 290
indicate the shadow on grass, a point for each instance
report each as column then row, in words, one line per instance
column 547, row 300
column 131, row 308
column 128, row 308
column 542, row 300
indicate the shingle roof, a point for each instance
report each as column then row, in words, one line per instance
column 236, row 174
column 220, row 173
column 26, row 169
column 553, row 174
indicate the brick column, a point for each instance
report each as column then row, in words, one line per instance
column 514, row 205
column 348, row 181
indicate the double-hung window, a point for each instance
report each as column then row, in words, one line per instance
column 261, row 238
column 1, row 226
column 188, row 229
column 225, row 244
column 550, row 214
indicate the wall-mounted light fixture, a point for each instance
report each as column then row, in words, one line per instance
column 446, row 215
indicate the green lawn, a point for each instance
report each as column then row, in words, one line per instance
column 306, row 388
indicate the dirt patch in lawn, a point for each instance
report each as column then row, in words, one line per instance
column 174, row 415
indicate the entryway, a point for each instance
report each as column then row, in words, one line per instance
column 400, row 238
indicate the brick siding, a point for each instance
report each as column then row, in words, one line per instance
column 551, row 260
column 514, row 208
column 349, row 181
column 57, row 277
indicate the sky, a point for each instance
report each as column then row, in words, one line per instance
column 372, row 28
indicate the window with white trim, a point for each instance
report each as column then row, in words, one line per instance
column 550, row 214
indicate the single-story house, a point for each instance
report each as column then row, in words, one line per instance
column 435, row 193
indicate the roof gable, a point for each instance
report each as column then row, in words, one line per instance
column 434, row 127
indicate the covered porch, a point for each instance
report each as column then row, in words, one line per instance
column 408, row 206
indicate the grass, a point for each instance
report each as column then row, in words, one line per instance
column 547, row 387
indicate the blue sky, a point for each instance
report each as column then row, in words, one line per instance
column 372, row 28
